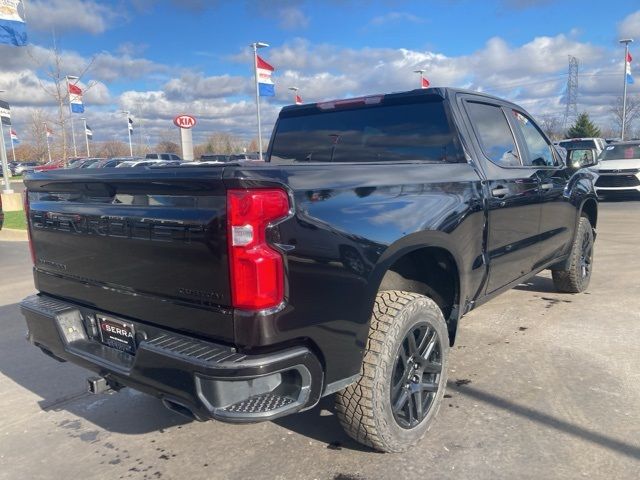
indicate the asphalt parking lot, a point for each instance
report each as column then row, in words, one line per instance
column 542, row 385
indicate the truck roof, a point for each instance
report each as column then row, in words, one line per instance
column 443, row 92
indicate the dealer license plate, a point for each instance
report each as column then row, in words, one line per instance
column 117, row 334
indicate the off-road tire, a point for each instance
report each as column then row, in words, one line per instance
column 573, row 279
column 365, row 407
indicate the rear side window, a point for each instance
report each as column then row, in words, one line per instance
column 494, row 134
column 393, row 132
column 539, row 149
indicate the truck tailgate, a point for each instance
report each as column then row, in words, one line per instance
column 143, row 243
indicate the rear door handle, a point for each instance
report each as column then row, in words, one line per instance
column 500, row 192
column 546, row 186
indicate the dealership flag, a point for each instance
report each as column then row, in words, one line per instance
column 265, row 82
column 88, row 132
column 75, row 98
column 628, row 68
column 14, row 137
column 130, row 125
column 13, row 29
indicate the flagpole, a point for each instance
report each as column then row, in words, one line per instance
column 46, row 137
column 73, row 131
column 255, row 47
column 626, row 43
column 13, row 148
column 86, row 137
column 421, row 72
column 127, row 113
column 4, row 165
column 6, row 175
column 295, row 94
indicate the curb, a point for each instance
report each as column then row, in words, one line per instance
column 11, row 235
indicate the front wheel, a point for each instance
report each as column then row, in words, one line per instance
column 577, row 274
column 403, row 376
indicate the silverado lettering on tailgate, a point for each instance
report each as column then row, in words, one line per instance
column 116, row 226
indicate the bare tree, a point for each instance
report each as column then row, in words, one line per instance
column 167, row 146
column 38, row 134
column 112, row 148
column 551, row 126
column 225, row 143
column 58, row 90
column 253, row 145
column 631, row 114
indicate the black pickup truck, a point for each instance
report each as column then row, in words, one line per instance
column 340, row 265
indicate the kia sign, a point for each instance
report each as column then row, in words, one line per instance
column 184, row 121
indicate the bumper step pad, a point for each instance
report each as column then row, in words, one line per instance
column 260, row 404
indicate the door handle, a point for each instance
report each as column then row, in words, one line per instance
column 546, row 186
column 500, row 192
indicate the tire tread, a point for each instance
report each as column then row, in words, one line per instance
column 355, row 407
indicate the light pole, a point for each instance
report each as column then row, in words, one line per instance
column 295, row 95
column 256, row 46
column 127, row 114
column 6, row 174
column 73, row 131
column 625, row 42
column 86, row 137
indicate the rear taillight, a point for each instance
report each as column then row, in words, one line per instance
column 25, row 202
column 257, row 269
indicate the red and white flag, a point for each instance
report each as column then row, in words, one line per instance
column 264, row 71
column 75, row 99
column 298, row 100
column 425, row 83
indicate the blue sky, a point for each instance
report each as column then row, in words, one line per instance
column 159, row 58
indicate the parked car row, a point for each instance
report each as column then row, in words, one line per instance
column 211, row 158
column 616, row 162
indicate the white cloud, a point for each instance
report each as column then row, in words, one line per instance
column 630, row 26
column 71, row 15
column 292, row 18
column 193, row 86
column 532, row 74
column 394, row 17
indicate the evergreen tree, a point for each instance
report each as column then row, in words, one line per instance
column 583, row 127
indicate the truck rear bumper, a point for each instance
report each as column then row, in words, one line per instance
column 197, row 378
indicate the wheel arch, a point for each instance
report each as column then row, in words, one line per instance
column 431, row 269
column 590, row 209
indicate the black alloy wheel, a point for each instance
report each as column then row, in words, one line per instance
column 416, row 375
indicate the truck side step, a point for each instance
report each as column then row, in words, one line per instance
column 263, row 403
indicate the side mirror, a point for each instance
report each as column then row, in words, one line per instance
column 581, row 158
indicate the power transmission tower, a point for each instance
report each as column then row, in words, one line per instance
column 571, row 111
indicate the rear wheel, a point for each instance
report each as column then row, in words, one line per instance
column 576, row 276
column 393, row 404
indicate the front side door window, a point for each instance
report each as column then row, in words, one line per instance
column 540, row 151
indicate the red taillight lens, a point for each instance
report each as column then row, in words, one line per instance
column 25, row 202
column 257, row 270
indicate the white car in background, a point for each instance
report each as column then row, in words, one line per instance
column 590, row 143
column 148, row 163
column 618, row 169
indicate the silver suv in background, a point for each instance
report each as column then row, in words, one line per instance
column 162, row 156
